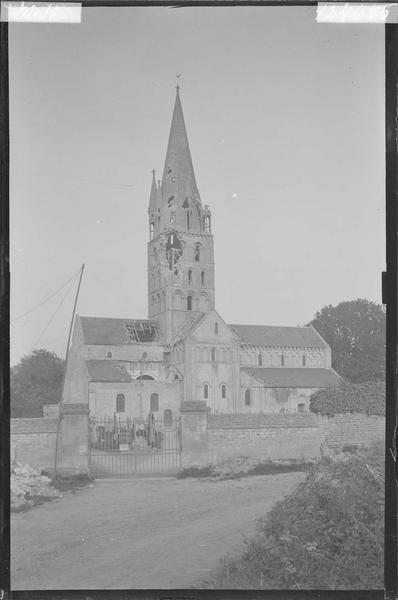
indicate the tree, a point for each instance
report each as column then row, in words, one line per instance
column 36, row 380
column 355, row 331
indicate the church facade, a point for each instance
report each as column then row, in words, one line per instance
column 185, row 351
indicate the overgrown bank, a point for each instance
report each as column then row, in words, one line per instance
column 328, row 534
column 242, row 466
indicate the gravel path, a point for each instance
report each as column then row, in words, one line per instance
column 137, row 534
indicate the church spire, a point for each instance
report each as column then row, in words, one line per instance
column 178, row 173
column 153, row 196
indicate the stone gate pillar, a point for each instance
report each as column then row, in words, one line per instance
column 72, row 451
column 194, row 432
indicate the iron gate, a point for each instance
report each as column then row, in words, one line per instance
column 124, row 447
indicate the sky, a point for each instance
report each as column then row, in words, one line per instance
column 285, row 119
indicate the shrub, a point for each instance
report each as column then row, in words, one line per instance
column 368, row 398
column 328, row 534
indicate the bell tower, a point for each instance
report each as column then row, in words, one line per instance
column 180, row 247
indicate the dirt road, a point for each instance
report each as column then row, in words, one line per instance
column 142, row 533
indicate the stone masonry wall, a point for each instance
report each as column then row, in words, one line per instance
column 33, row 442
column 272, row 436
column 264, row 436
column 352, row 428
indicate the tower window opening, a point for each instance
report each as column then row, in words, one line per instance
column 213, row 354
column 216, row 328
column 303, row 360
column 168, row 416
column 188, row 221
column 120, row 403
column 260, row 360
column 109, row 355
column 151, row 230
column 189, row 275
column 223, row 391
column 205, row 391
column 154, row 402
column 247, row 397
column 203, row 277
column 189, row 302
column 282, row 360
column 197, row 253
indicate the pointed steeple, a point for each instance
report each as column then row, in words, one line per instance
column 178, row 173
column 154, row 193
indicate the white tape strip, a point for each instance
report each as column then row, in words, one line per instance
column 356, row 13
column 41, row 12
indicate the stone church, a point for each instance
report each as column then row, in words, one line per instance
column 185, row 351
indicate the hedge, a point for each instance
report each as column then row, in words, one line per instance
column 368, row 398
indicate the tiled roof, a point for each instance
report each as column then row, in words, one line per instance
column 114, row 332
column 107, row 370
column 271, row 335
column 294, row 378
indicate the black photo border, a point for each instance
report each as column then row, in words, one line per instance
column 390, row 299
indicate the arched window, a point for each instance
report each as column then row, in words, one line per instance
column 188, row 221
column 109, row 355
column 205, row 391
column 303, row 360
column 260, row 360
column 216, row 328
column 154, row 402
column 168, row 416
column 197, row 252
column 189, row 275
column 203, row 277
column 120, row 403
column 282, row 360
column 213, row 354
column 189, row 302
column 151, row 229
column 247, row 397
column 223, row 391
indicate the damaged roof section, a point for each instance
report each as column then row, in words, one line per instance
column 107, row 370
column 280, row 377
column 142, row 331
column 115, row 332
column 275, row 336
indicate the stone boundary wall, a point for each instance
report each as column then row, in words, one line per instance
column 352, row 428
column 33, row 441
column 268, row 437
column 210, row 438
column 260, row 421
column 287, row 436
